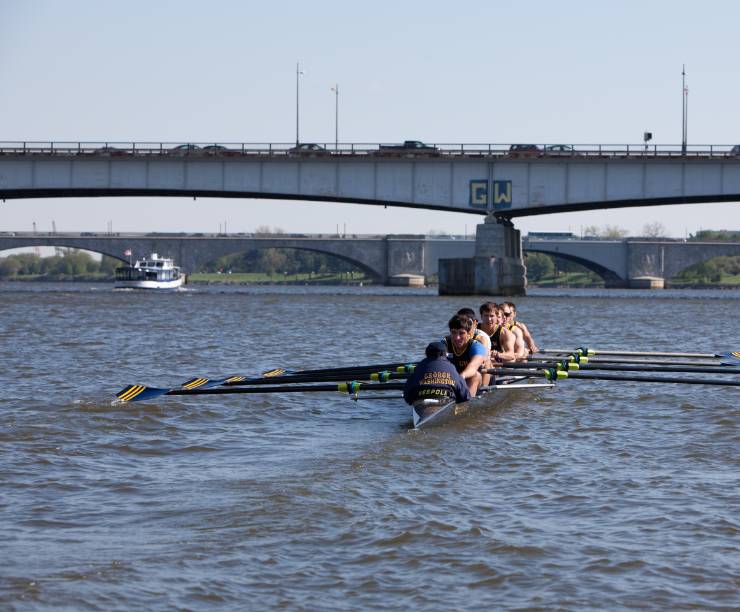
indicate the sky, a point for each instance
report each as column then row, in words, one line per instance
column 577, row 72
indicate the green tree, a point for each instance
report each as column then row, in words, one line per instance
column 108, row 265
column 539, row 266
column 705, row 272
column 715, row 236
column 9, row 267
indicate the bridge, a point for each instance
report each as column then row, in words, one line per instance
column 474, row 178
column 386, row 258
column 632, row 262
column 499, row 181
column 621, row 263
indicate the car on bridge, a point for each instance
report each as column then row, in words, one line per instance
column 414, row 147
column 734, row 151
column 110, row 151
column 185, row 149
column 216, row 149
column 308, row 148
column 560, row 150
column 524, row 150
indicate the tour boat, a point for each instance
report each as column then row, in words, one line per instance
column 152, row 272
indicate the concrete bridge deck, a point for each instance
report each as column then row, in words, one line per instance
column 472, row 178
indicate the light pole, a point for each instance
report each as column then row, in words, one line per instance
column 298, row 73
column 685, row 110
column 335, row 89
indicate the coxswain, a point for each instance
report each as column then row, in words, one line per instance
column 435, row 378
column 527, row 339
column 467, row 355
column 503, row 340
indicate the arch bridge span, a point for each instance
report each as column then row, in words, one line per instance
column 381, row 256
column 621, row 263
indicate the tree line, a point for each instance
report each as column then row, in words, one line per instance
column 73, row 263
column 66, row 263
column 280, row 261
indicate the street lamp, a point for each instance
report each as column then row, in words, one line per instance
column 335, row 89
column 647, row 137
column 685, row 110
column 298, row 73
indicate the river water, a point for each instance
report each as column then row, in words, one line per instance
column 591, row 495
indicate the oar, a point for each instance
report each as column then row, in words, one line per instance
column 591, row 352
column 645, row 361
column 626, row 367
column 382, row 376
column 553, row 374
column 395, row 365
column 281, row 375
column 137, row 393
column 579, row 358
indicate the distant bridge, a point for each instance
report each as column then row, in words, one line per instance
column 473, row 178
column 618, row 262
column 621, row 262
column 382, row 257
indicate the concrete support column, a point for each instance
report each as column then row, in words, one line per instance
column 498, row 264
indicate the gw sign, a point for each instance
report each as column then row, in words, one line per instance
column 481, row 196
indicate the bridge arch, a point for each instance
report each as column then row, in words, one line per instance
column 706, row 258
column 611, row 278
column 33, row 244
column 372, row 273
column 378, row 256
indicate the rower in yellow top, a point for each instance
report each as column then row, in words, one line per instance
column 466, row 354
column 509, row 311
column 503, row 340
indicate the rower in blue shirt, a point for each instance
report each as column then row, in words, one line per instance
column 467, row 354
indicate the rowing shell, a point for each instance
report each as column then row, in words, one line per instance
column 433, row 412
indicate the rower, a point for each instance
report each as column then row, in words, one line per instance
column 435, row 378
column 503, row 340
column 466, row 354
column 480, row 336
column 509, row 310
column 478, row 333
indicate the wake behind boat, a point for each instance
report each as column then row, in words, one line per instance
column 153, row 272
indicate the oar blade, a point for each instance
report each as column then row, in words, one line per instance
column 209, row 383
column 139, row 393
column 276, row 372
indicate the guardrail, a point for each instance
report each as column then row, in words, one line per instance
column 219, row 149
column 289, row 236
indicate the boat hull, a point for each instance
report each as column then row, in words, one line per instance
column 433, row 412
column 149, row 284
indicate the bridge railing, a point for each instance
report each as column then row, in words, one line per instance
column 234, row 235
column 230, row 149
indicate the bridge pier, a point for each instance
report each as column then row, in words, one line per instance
column 497, row 267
